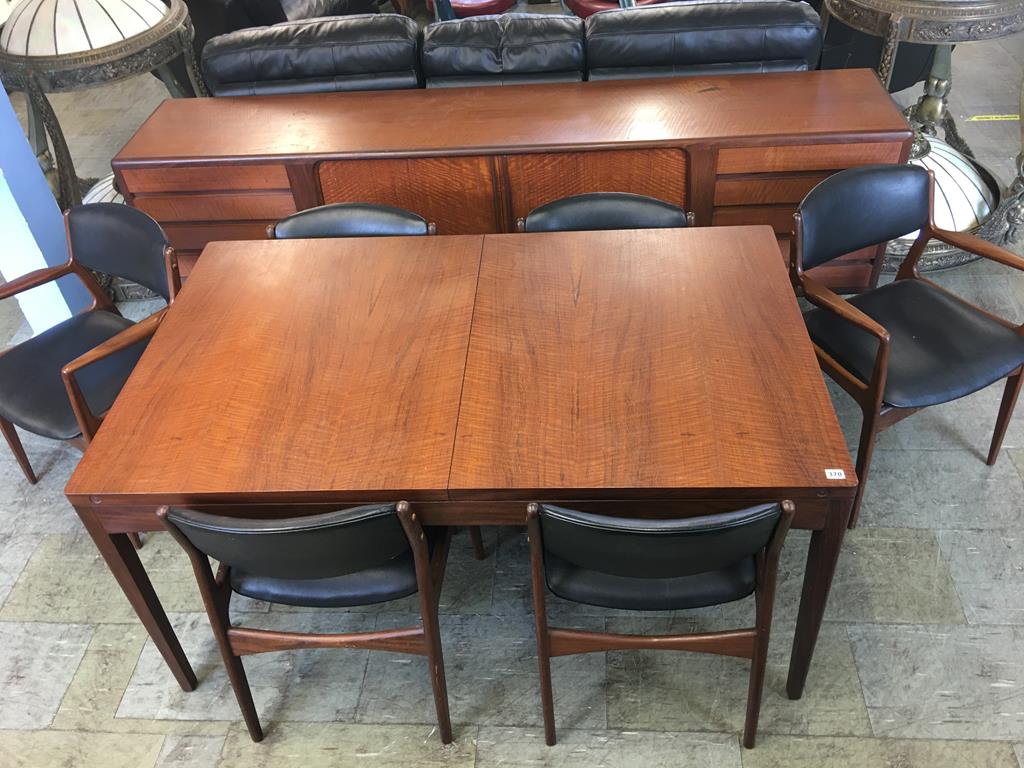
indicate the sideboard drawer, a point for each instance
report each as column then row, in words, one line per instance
column 765, row 188
column 233, row 206
column 207, row 178
column 805, row 157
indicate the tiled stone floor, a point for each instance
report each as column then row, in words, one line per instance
column 920, row 662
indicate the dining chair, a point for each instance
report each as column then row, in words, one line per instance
column 656, row 565
column 604, row 210
column 910, row 344
column 60, row 383
column 350, row 220
column 351, row 557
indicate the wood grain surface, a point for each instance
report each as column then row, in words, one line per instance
column 641, row 364
column 800, row 107
column 330, row 367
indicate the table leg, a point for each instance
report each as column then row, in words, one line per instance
column 822, row 556
column 124, row 563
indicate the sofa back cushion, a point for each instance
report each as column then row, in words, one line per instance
column 502, row 50
column 366, row 52
column 700, row 37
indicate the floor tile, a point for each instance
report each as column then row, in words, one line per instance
column 802, row 752
column 190, row 752
column 988, row 569
column 311, row 685
column 95, row 693
column 40, row 508
column 945, row 683
column 67, row 579
column 888, row 575
column 36, row 667
column 35, row 749
column 525, row 748
column 1019, row 751
column 665, row 690
column 15, row 551
column 492, row 676
column 942, row 490
column 330, row 745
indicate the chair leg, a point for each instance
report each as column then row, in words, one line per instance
column 540, row 616
column 136, row 540
column 1010, row 393
column 435, row 658
column 478, row 542
column 547, row 698
column 868, row 434
column 18, row 450
column 243, row 694
column 755, row 689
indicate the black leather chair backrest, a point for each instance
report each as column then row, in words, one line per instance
column 119, row 240
column 350, row 220
column 862, row 206
column 503, row 50
column 313, row 547
column 703, row 37
column 366, row 52
column 604, row 210
column 656, row 549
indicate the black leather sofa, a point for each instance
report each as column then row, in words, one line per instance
column 503, row 50
column 370, row 52
column 703, row 37
column 386, row 51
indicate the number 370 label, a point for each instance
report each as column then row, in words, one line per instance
column 835, row 474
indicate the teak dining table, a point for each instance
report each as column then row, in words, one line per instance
column 645, row 372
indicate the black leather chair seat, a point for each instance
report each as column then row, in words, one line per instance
column 580, row 585
column 941, row 348
column 391, row 581
column 32, row 393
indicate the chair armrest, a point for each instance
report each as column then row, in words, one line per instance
column 89, row 422
column 974, row 244
column 822, row 297
column 34, row 279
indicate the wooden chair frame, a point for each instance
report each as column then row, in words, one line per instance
column 869, row 395
column 749, row 643
column 235, row 642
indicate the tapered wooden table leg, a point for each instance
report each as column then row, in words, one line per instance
column 822, row 556
column 124, row 563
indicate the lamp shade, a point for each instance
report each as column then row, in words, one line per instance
column 103, row 191
column 60, row 27
column 964, row 198
column 5, row 9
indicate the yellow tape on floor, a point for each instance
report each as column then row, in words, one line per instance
column 992, row 118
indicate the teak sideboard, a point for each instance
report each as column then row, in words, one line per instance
column 738, row 149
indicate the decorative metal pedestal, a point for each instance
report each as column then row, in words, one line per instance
column 37, row 75
column 942, row 23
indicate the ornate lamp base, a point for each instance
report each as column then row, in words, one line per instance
column 1004, row 221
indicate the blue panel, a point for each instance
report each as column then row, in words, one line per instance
column 35, row 199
